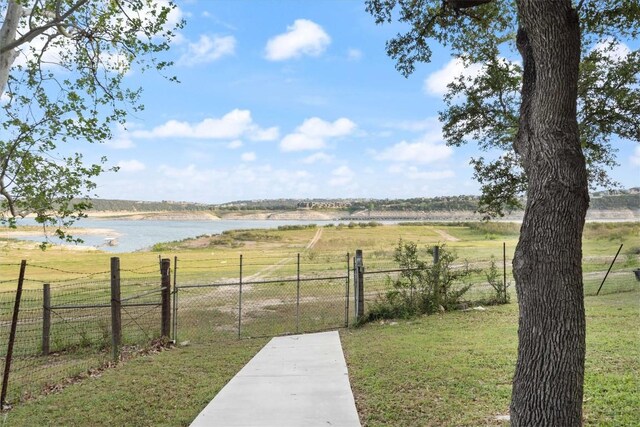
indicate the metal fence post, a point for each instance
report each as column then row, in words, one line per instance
column 46, row 318
column 437, row 291
column 358, row 283
column 240, row 300
column 346, row 302
column 175, row 300
column 298, row 298
column 504, row 271
column 12, row 335
column 165, row 285
column 116, row 319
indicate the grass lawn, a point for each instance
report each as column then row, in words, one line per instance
column 451, row 369
column 439, row 370
column 456, row 368
column 165, row 389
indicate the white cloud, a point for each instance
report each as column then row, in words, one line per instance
column 341, row 176
column 131, row 166
column 611, row 50
column 304, row 37
column 436, row 83
column 121, row 140
column 354, row 54
column 248, row 156
column 236, row 143
column 318, row 157
column 313, row 132
column 208, row 49
column 269, row 134
column 423, row 151
column 235, row 124
column 301, row 142
column 635, row 157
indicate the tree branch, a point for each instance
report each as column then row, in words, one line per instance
column 35, row 32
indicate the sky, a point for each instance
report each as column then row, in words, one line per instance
column 291, row 99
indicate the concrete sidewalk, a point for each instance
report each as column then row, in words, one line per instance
column 295, row 381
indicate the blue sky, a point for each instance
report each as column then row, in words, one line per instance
column 291, row 99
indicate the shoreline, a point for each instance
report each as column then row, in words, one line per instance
column 627, row 215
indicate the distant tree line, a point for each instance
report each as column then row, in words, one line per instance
column 619, row 199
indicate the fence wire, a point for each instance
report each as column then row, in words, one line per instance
column 78, row 341
column 222, row 297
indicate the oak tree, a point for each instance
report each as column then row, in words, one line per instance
column 63, row 68
column 553, row 114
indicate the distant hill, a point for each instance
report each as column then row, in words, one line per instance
column 616, row 200
column 137, row 206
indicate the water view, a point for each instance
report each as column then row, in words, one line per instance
column 134, row 235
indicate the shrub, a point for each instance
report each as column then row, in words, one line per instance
column 501, row 294
column 421, row 287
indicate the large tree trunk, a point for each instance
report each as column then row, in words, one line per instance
column 547, row 386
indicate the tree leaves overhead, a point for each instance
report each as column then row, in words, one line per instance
column 482, row 105
column 65, row 68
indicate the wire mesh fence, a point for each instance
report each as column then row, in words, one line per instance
column 64, row 325
column 69, row 331
column 269, row 296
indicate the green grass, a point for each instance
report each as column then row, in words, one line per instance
column 166, row 389
column 208, row 315
column 456, row 368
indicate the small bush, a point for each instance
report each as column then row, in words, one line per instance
column 421, row 287
column 296, row 227
column 493, row 278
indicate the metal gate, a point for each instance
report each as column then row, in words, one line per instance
column 259, row 308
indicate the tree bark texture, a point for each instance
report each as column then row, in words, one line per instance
column 7, row 35
column 547, row 266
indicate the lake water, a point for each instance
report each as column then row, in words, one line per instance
column 136, row 235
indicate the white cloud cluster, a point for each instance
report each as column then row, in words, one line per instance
column 612, row 50
column 121, row 139
column 436, row 83
column 423, row 151
column 208, row 49
column 304, row 37
column 313, row 133
column 233, row 125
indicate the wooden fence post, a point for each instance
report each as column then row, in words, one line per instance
column 358, row 283
column 165, row 284
column 116, row 314
column 46, row 318
column 12, row 335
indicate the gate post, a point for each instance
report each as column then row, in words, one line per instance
column 165, row 285
column 358, row 284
